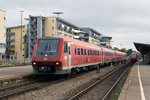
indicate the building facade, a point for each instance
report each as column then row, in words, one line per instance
column 15, row 44
column 2, row 33
column 40, row 26
column 20, row 47
column 92, row 36
column 105, row 41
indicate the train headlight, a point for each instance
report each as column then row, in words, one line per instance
column 57, row 63
column 46, row 55
column 34, row 63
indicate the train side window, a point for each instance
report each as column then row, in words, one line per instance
column 98, row 53
column 84, row 51
column 88, row 52
column 78, row 51
column 75, row 51
column 65, row 47
column 93, row 52
column 81, row 51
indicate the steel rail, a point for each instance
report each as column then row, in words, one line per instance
column 26, row 88
column 76, row 96
column 111, row 89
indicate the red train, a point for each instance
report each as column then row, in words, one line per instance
column 61, row 55
column 134, row 56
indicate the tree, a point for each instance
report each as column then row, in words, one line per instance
column 129, row 51
column 123, row 50
column 115, row 48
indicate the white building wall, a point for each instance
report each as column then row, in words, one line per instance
column 2, row 26
column 2, row 32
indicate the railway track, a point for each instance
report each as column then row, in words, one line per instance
column 103, row 87
column 7, row 91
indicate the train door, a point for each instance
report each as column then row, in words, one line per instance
column 69, row 54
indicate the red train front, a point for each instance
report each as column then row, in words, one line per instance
column 134, row 56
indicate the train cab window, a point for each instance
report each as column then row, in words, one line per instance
column 65, row 48
column 88, row 52
column 75, row 51
column 81, row 51
column 98, row 53
column 84, row 51
column 78, row 51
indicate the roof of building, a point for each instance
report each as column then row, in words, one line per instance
column 67, row 22
column 143, row 48
column 91, row 30
column 2, row 10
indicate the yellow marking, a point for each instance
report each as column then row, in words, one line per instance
column 79, row 45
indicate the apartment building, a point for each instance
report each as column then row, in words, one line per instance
column 40, row 26
column 91, row 35
column 2, row 33
column 19, row 47
column 105, row 41
column 15, row 44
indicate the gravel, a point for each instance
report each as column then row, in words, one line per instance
column 61, row 90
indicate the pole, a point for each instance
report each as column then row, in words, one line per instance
column 21, row 35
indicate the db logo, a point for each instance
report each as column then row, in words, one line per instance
column 45, row 58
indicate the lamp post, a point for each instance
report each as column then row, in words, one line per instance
column 21, row 31
column 21, row 35
column 57, row 13
column 120, row 46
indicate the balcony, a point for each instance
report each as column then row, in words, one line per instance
column 10, row 51
column 10, row 40
column 10, row 33
column 10, row 46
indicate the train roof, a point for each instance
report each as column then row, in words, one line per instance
column 58, row 37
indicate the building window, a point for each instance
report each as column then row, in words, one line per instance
column 4, row 18
column 52, row 27
column 65, row 35
column 52, row 21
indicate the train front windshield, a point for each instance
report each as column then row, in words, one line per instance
column 47, row 48
column 133, row 55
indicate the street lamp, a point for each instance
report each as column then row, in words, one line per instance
column 120, row 45
column 21, row 34
column 21, row 31
column 57, row 13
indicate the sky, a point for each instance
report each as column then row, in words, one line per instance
column 127, row 21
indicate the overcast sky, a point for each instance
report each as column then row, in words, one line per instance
column 127, row 21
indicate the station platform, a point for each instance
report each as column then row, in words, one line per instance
column 137, row 85
column 15, row 71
